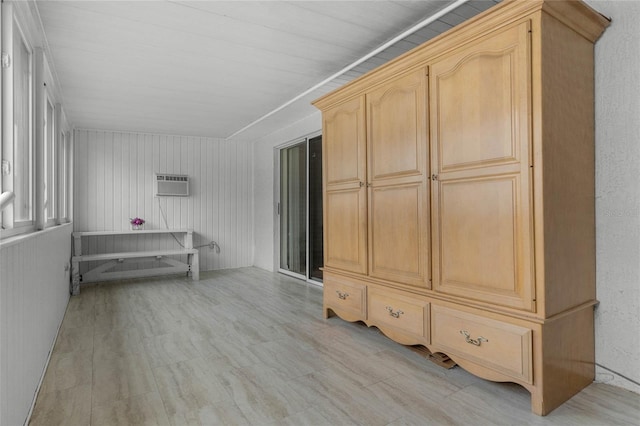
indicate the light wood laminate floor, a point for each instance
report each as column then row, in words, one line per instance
column 249, row 347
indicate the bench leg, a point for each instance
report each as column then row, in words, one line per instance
column 195, row 266
column 75, row 278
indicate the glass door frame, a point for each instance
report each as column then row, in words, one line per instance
column 277, row 185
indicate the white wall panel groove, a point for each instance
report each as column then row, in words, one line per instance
column 114, row 182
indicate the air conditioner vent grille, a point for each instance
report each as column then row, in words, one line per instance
column 167, row 185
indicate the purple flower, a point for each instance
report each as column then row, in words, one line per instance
column 136, row 221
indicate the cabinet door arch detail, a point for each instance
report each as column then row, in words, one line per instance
column 479, row 98
column 344, row 144
column 397, row 128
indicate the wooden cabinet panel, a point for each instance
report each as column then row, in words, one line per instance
column 481, row 241
column 344, row 144
column 503, row 347
column 481, row 218
column 398, row 239
column 480, row 103
column 345, row 229
column 405, row 319
column 397, row 131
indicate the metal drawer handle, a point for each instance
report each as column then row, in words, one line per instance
column 395, row 314
column 468, row 339
column 342, row 295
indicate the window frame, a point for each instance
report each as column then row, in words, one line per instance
column 63, row 142
column 50, row 178
column 13, row 26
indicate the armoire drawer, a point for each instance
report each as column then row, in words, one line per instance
column 346, row 297
column 503, row 347
column 403, row 318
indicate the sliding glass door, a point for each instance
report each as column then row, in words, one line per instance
column 300, row 209
column 293, row 209
column 316, row 255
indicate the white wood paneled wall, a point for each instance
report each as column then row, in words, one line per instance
column 114, row 177
column 34, row 292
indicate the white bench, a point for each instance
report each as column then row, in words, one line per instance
column 102, row 272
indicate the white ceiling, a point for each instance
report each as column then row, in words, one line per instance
column 209, row 68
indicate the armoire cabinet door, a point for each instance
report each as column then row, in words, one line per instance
column 397, row 172
column 345, row 197
column 480, row 152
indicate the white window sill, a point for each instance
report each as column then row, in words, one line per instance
column 17, row 239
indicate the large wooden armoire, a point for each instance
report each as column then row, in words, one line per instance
column 459, row 197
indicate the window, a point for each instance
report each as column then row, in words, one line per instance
column 62, row 177
column 49, row 163
column 17, row 146
column 63, row 148
column 22, row 118
column 36, row 143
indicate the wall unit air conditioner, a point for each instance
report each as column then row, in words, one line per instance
column 171, row 185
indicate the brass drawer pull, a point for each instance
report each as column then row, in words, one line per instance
column 395, row 314
column 342, row 295
column 468, row 339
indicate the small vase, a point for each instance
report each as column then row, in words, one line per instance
column 136, row 227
